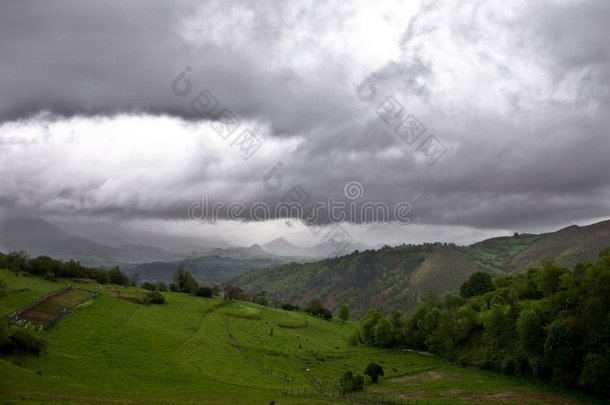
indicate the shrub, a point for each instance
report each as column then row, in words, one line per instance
column 204, row 291
column 148, row 286
column 374, row 371
column 349, row 382
column 101, row 276
column 185, row 281
column 478, row 283
column 23, row 340
column 358, row 383
column 161, row 286
column 354, row 339
column 5, row 338
column 155, row 297
column 118, row 277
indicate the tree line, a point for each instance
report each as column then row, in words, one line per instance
column 548, row 323
column 49, row 268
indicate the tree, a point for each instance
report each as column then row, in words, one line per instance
column 559, row 350
column 529, row 329
column 596, row 373
column 185, row 281
column 233, row 293
column 134, row 279
column 204, row 291
column 148, row 286
column 383, row 333
column 17, row 261
column 368, row 324
column 477, row 284
column 344, row 313
column 314, row 306
column 161, row 286
column 261, row 298
column 495, row 323
column 374, row 371
column 118, row 277
column 43, row 265
column 549, row 278
column 216, row 289
column 349, row 382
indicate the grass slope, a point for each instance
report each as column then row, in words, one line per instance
column 193, row 350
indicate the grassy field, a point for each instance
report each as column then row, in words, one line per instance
column 199, row 350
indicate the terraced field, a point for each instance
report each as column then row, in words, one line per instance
column 54, row 306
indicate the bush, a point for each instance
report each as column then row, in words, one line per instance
column 23, row 341
column 358, row 383
column 374, row 371
column 204, row 291
column 118, row 277
column 148, row 286
column 349, row 382
column 155, row 297
column 185, row 281
column 5, row 337
column 479, row 283
column 161, row 286
column 354, row 339
column 100, row 276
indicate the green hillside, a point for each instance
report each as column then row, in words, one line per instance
column 395, row 278
column 194, row 350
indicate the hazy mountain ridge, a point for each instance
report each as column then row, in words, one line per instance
column 37, row 237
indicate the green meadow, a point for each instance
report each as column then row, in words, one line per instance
column 194, row 350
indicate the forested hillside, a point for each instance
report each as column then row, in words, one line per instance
column 396, row 278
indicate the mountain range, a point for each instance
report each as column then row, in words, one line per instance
column 391, row 278
column 37, row 237
column 396, row 278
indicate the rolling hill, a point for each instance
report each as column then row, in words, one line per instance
column 396, row 278
column 194, row 350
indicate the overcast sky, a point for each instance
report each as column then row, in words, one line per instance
column 116, row 117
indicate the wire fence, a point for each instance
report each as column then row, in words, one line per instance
column 357, row 398
column 43, row 311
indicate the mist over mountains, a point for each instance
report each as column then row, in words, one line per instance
column 364, row 277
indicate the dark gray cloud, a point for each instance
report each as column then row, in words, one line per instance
column 517, row 95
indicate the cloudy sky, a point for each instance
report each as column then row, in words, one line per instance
column 119, row 120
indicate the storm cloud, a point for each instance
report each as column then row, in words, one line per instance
column 503, row 107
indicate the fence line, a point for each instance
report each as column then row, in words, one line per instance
column 19, row 311
column 15, row 316
column 355, row 398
